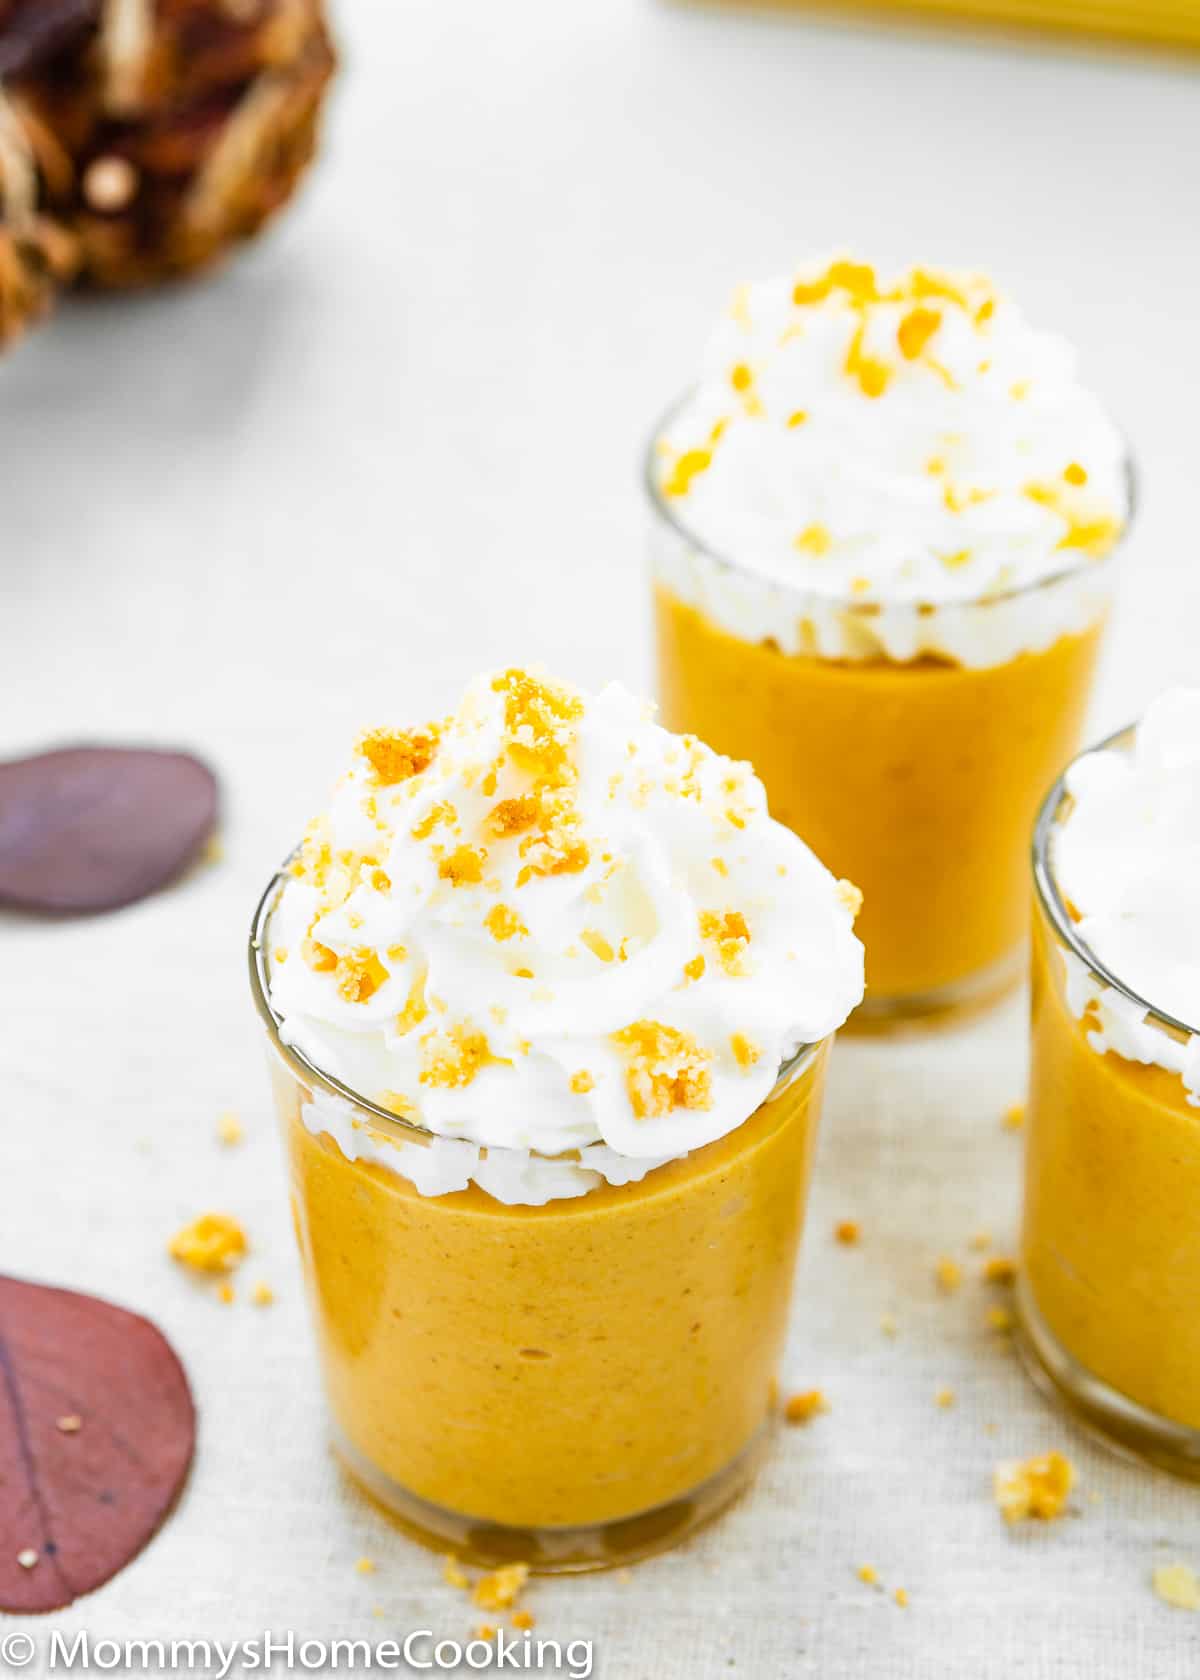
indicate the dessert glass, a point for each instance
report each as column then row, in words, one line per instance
column 574, row 1384
column 1110, row 1252
column 922, row 777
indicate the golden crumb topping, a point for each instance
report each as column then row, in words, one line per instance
column 451, row 1056
column 916, row 329
column 463, row 867
column 359, row 975
column 688, row 466
column 395, row 755
column 1033, row 1487
column 745, row 1051
column 850, row 896
column 597, row 944
column 694, row 969
column 728, row 932
column 415, row 1009
column 666, row 1069
column 214, row 1242
column 502, row 922
column 397, row 1103
column 539, row 721
column 582, row 1082
column 441, row 814
column 813, row 539
column 514, row 816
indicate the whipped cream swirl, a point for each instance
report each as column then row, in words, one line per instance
column 547, row 925
column 1126, row 858
column 879, row 449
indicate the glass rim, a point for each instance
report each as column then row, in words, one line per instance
column 388, row 1121
column 869, row 608
column 1052, row 902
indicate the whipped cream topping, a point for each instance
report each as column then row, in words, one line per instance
column 547, row 925
column 1126, row 858
column 884, row 448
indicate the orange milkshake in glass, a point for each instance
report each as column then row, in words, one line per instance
column 883, row 528
column 549, row 996
column 1110, row 1259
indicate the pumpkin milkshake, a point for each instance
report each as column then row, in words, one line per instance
column 1111, row 1246
column 882, row 537
column 550, row 995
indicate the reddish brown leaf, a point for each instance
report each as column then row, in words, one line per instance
column 85, row 1493
column 92, row 828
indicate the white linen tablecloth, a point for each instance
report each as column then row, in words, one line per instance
column 399, row 442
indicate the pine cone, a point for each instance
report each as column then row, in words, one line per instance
column 174, row 128
column 37, row 255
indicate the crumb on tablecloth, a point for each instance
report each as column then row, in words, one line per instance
column 802, row 1408
column 1033, row 1487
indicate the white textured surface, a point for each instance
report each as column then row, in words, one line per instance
column 399, row 443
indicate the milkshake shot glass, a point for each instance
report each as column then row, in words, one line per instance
column 883, row 531
column 1110, row 1254
column 548, row 997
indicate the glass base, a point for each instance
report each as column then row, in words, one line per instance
column 1118, row 1422
column 944, row 1006
column 557, row 1551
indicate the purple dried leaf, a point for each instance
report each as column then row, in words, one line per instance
column 92, row 828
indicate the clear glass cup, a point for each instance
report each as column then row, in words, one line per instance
column 575, row 1384
column 1110, row 1251
column 915, row 775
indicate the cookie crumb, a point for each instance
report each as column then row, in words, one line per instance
column 999, row 1319
column 1014, row 1117
column 948, row 1274
column 1001, row 1268
column 981, row 1240
column 1176, row 1585
column 1033, row 1487
column 365, row 1566
column 229, row 1128
column 523, row 1619
column 71, row 1424
column 847, row 1231
column 901, row 1597
column 867, row 1574
column 485, row 1631
column 802, row 1408
column 944, row 1397
column 499, row 1590
column 225, row 1294
column 453, row 1573
column 212, row 1243
column 263, row 1294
